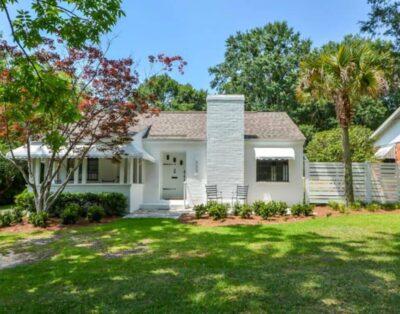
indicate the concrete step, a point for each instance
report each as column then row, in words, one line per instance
column 155, row 213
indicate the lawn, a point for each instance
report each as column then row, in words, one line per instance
column 336, row 264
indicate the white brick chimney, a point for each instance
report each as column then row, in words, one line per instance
column 225, row 142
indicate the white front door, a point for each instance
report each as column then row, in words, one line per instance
column 173, row 175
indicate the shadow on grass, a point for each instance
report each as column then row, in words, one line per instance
column 227, row 269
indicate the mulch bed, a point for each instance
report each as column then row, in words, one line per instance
column 319, row 212
column 54, row 225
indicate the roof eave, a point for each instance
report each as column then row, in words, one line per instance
column 385, row 124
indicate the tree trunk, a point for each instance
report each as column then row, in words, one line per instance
column 348, row 171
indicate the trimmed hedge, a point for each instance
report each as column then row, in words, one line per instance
column 114, row 204
column 217, row 210
column 95, row 213
column 39, row 219
column 302, row 209
column 71, row 214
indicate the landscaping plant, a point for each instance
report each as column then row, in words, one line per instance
column 343, row 75
column 245, row 211
column 39, row 219
column 236, row 208
column 114, row 204
column 6, row 219
column 257, row 207
column 71, row 214
column 25, row 201
column 17, row 215
column 95, row 213
column 200, row 210
column 356, row 205
column 263, row 210
column 302, row 209
column 217, row 210
column 373, row 207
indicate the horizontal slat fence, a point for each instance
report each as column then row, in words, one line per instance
column 371, row 182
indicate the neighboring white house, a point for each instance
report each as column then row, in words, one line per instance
column 175, row 154
column 387, row 138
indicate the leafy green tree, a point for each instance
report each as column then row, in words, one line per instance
column 263, row 65
column 168, row 94
column 384, row 19
column 343, row 77
column 75, row 21
column 325, row 146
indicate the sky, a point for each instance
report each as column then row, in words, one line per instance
column 197, row 29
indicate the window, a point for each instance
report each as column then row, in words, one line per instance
column 93, row 169
column 272, row 170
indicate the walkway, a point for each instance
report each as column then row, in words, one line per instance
column 157, row 213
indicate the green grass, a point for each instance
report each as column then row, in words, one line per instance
column 343, row 264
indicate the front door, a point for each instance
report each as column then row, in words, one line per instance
column 173, row 175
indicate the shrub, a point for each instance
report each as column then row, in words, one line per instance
column 245, row 211
column 236, row 209
column 356, row 205
column 39, row 219
column 25, row 202
column 71, row 214
column 95, row 213
column 342, row 208
column 302, row 209
column 389, row 206
column 114, row 204
column 257, row 205
column 334, row 205
column 217, row 210
column 373, row 207
column 6, row 219
column 17, row 215
column 200, row 210
column 362, row 149
column 264, row 210
column 278, row 208
column 268, row 209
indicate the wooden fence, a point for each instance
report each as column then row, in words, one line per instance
column 372, row 182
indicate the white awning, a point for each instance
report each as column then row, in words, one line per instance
column 274, row 153
column 386, row 152
column 38, row 150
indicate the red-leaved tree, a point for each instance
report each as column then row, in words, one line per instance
column 70, row 102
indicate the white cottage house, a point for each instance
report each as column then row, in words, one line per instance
column 175, row 154
column 386, row 138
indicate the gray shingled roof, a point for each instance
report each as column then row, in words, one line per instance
column 192, row 125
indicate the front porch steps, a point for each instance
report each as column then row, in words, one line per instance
column 173, row 205
column 157, row 213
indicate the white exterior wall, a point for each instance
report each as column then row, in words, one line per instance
column 195, row 153
column 390, row 136
column 225, row 142
column 291, row 192
column 135, row 197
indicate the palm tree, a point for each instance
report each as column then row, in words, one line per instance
column 342, row 77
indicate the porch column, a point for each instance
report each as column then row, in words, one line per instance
column 36, row 170
column 122, row 171
column 76, row 172
column 84, row 171
column 130, row 170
